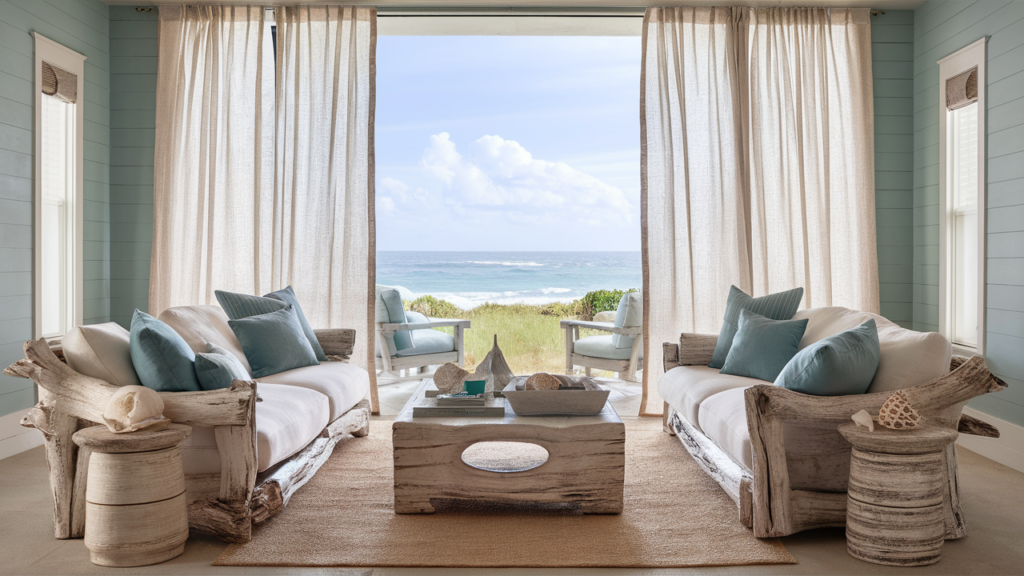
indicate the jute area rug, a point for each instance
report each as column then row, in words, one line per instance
column 674, row 516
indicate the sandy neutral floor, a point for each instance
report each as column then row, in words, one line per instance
column 992, row 494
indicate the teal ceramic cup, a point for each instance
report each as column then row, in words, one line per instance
column 474, row 386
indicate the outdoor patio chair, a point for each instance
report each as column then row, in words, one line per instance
column 407, row 339
column 620, row 352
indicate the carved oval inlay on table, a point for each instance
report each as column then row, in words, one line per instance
column 504, row 456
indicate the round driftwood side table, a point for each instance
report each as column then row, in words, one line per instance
column 894, row 505
column 135, row 512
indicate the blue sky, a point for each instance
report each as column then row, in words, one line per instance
column 508, row 143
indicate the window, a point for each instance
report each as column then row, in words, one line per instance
column 962, row 198
column 58, row 181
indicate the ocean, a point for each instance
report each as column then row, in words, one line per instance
column 469, row 279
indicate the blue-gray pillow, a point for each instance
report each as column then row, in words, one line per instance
column 217, row 368
column 839, row 365
column 273, row 342
column 762, row 346
column 238, row 306
column 162, row 359
column 780, row 306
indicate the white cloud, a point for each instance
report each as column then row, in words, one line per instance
column 500, row 174
column 384, row 204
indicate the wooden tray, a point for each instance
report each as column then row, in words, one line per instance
column 584, row 398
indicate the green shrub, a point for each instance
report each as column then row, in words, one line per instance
column 601, row 301
column 434, row 308
column 563, row 309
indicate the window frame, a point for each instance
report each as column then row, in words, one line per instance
column 957, row 62
column 47, row 50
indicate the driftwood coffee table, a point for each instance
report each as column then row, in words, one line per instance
column 585, row 465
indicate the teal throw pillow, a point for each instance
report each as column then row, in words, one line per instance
column 287, row 295
column 392, row 300
column 162, row 359
column 780, row 306
column 217, row 368
column 238, row 306
column 630, row 313
column 762, row 346
column 839, row 365
column 273, row 342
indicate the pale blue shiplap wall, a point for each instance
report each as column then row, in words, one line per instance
column 892, row 55
column 133, row 59
column 941, row 28
column 82, row 26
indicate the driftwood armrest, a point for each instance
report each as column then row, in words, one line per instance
column 696, row 349
column 336, row 342
column 670, row 355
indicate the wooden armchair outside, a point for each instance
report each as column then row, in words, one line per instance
column 226, row 504
column 625, row 368
column 391, row 363
column 800, row 461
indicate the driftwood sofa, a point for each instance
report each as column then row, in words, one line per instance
column 777, row 453
column 248, row 452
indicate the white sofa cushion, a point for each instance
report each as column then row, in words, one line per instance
column 200, row 326
column 101, row 351
column 723, row 418
column 287, row 420
column 342, row 383
column 908, row 358
column 686, row 387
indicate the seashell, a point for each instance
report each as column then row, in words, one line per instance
column 449, row 378
column 864, row 419
column 134, row 408
column 494, row 369
column 541, row 381
column 897, row 413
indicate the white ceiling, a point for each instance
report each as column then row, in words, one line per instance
column 521, row 4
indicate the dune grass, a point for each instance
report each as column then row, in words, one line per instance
column 529, row 336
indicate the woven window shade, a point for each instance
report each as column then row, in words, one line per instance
column 60, row 83
column 962, row 89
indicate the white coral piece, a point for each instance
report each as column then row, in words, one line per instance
column 863, row 418
column 134, row 408
column 449, row 378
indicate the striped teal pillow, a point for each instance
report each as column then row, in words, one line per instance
column 780, row 306
column 238, row 306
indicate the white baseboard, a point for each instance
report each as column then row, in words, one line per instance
column 1007, row 450
column 14, row 438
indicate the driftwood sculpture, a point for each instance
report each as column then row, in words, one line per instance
column 800, row 461
column 225, row 504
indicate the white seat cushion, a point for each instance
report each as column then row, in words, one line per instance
column 342, row 383
column 287, row 419
column 908, row 358
column 101, row 351
column 602, row 347
column 200, row 326
column 686, row 387
column 723, row 418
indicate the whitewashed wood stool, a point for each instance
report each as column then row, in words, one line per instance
column 894, row 505
column 135, row 511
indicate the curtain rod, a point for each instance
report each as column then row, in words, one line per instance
column 504, row 11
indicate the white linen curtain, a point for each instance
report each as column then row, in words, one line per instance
column 323, row 215
column 208, row 176
column 788, row 199
column 256, row 188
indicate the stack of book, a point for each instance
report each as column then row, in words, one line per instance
column 458, row 405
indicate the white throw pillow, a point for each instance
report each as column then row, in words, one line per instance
column 908, row 358
column 101, row 351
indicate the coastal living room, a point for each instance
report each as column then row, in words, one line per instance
column 517, row 287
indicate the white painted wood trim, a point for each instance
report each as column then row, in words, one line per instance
column 973, row 55
column 15, row 438
column 74, row 62
column 1007, row 450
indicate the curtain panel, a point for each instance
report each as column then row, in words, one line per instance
column 323, row 214
column 263, row 169
column 757, row 154
column 209, row 176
